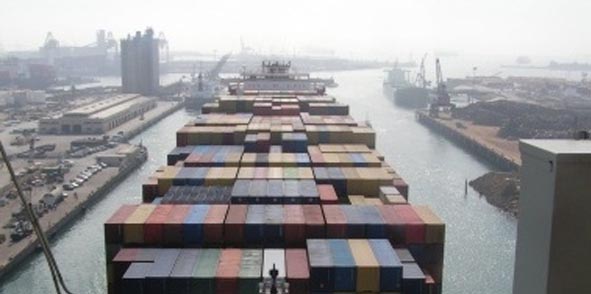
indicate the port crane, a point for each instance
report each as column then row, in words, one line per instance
column 442, row 100
column 421, row 80
column 163, row 45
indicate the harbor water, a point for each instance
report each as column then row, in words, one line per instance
column 479, row 249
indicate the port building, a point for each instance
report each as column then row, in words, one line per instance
column 554, row 229
column 140, row 69
column 98, row 117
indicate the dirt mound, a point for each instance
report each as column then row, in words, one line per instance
column 500, row 189
column 524, row 120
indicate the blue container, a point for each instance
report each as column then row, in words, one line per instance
column 302, row 159
column 355, row 221
column 253, row 229
column 291, row 193
column 321, row 266
column 375, row 224
column 321, row 175
column 358, row 160
column 182, row 272
column 390, row 265
column 157, row 275
column 413, row 279
column 193, row 225
column 134, row 277
column 308, row 191
column 240, row 191
column 274, row 192
column 257, row 191
column 345, row 274
column 273, row 226
column 338, row 180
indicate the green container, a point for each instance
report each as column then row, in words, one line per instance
column 290, row 173
column 205, row 271
column 250, row 271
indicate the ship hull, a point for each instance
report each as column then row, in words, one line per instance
column 411, row 97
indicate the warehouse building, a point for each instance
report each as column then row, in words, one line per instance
column 98, row 117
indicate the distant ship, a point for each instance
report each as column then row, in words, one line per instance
column 201, row 91
column 405, row 92
column 205, row 87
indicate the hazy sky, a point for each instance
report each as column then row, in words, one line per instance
column 359, row 28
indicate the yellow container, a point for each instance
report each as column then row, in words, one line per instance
column 373, row 201
column 133, row 228
column 275, row 173
column 165, row 180
column 356, row 199
column 305, row 173
column 246, row 173
column 358, row 148
column 248, row 159
column 368, row 268
column 275, row 159
column 434, row 226
column 331, row 159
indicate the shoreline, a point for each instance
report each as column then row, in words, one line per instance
column 92, row 198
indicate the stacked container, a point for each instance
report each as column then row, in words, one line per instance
column 283, row 179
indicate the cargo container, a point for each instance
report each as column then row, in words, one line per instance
column 321, row 266
column 250, row 271
column 345, row 273
column 297, row 270
column 368, row 268
column 226, row 278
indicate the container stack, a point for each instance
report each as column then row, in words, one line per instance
column 275, row 179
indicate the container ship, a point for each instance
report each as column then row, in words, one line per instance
column 274, row 191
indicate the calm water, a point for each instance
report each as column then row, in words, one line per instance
column 480, row 239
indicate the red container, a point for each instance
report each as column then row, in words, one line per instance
column 234, row 224
column 213, row 226
column 153, row 227
column 414, row 225
column 294, row 226
column 206, row 159
column 192, row 160
column 315, row 225
column 227, row 271
column 336, row 222
column 126, row 255
column 182, row 138
column 114, row 225
column 260, row 173
column 119, row 265
column 327, row 194
column 395, row 226
column 317, row 159
column 173, row 226
column 297, row 270
column 150, row 190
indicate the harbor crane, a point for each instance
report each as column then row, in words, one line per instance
column 421, row 80
column 442, row 100
column 163, row 44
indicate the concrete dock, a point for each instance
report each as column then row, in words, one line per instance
column 480, row 140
